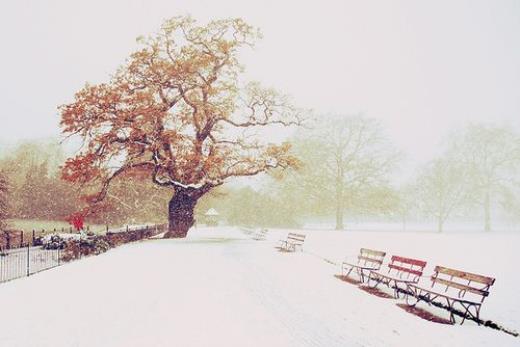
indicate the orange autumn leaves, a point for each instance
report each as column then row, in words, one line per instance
column 175, row 112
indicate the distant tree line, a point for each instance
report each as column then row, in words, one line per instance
column 347, row 171
column 478, row 170
column 31, row 188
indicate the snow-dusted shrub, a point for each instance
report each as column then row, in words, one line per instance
column 76, row 248
column 94, row 245
column 53, row 241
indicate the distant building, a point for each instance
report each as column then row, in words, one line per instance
column 212, row 217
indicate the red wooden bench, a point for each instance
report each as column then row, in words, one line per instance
column 401, row 271
column 466, row 289
column 367, row 260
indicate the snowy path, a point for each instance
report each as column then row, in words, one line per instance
column 223, row 290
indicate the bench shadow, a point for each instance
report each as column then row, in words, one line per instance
column 348, row 279
column 424, row 314
column 376, row 292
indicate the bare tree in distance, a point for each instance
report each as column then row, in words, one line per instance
column 442, row 188
column 343, row 157
column 176, row 113
column 491, row 155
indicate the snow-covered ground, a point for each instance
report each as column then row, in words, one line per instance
column 220, row 288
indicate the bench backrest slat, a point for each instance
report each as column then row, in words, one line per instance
column 405, row 269
column 411, row 268
column 464, row 282
column 371, row 252
column 296, row 238
column 371, row 256
column 465, row 275
column 419, row 263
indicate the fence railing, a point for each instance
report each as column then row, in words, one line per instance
column 22, row 262
column 10, row 239
column 26, row 259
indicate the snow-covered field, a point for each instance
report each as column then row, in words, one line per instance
column 220, row 288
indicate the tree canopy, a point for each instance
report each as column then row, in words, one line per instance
column 176, row 112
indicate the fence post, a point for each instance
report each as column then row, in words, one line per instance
column 28, row 260
column 33, row 234
column 127, row 228
column 21, row 238
column 8, row 240
column 107, row 228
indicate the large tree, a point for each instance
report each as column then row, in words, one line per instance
column 176, row 112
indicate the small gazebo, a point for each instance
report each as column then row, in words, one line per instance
column 211, row 217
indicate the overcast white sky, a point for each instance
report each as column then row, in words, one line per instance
column 420, row 67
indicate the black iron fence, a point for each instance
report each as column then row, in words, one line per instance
column 24, row 259
column 21, row 262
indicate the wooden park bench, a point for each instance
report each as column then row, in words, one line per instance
column 367, row 260
column 401, row 271
column 292, row 242
column 260, row 234
column 456, row 287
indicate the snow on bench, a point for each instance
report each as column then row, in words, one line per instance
column 466, row 289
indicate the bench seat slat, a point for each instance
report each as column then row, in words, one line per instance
column 462, row 287
column 296, row 238
column 446, row 295
column 394, row 278
column 371, row 260
column 364, row 267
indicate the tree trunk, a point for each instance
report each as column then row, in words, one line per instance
column 340, row 210
column 180, row 212
column 440, row 224
column 487, row 212
column 339, row 216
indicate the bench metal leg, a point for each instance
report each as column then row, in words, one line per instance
column 414, row 293
column 374, row 278
column 468, row 314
